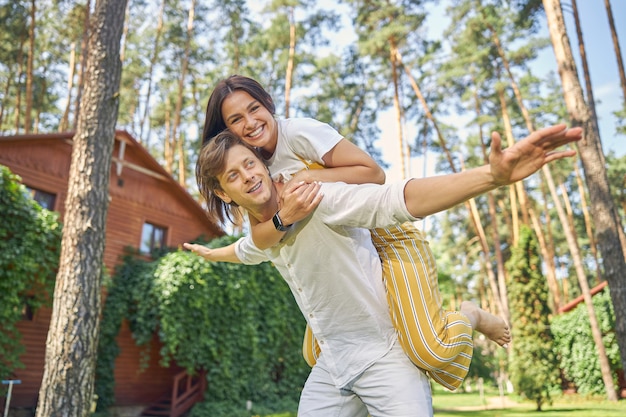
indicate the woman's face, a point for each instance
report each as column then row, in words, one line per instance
column 250, row 120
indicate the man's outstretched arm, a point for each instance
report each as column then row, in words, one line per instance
column 425, row 196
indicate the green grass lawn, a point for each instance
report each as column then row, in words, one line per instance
column 448, row 404
column 472, row 404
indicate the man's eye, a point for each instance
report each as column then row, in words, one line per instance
column 255, row 108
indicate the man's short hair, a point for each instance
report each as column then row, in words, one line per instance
column 212, row 163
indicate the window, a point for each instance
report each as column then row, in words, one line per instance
column 152, row 238
column 45, row 199
column 27, row 312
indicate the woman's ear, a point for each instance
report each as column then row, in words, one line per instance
column 223, row 196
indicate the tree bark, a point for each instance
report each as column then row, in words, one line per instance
column 29, row 68
column 290, row 60
column 179, row 139
column 592, row 157
column 84, row 52
column 68, row 381
column 395, row 60
column 588, row 221
column 618, row 52
column 591, row 102
column 70, row 85
column 153, row 62
column 18, row 92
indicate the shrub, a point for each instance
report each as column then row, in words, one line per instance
column 30, row 242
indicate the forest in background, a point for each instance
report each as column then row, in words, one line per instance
column 174, row 52
column 480, row 70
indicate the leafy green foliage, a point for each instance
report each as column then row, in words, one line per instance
column 238, row 323
column 531, row 368
column 30, row 239
column 574, row 342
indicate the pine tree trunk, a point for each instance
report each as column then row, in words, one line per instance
column 82, row 73
column 495, row 236
column 590, row 149
column 70, row 85
column 427, row 112
column 68, row 381
column 18, row 93
column 588, row 220
column 7, row 88
column 176, row 138
column 29, row 69
column 153, row 62
column 395, row 60
column 583, row 58
column 616, row 47
column 290, row 60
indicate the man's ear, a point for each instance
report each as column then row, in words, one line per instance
column 223, row 196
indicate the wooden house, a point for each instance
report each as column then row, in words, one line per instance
column 148, row 209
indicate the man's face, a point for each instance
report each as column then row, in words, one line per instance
column 245, row 180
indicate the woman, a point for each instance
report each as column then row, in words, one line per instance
column 435, row 340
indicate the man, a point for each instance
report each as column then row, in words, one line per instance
column 333, row 270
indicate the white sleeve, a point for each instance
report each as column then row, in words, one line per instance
column 249, row 254
column 364, row 205
column 311, row 139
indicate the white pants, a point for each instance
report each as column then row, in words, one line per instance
column 391, row 387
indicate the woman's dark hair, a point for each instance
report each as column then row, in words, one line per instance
column 214, row 122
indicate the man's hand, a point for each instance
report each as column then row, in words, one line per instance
column 223, row 254
column 530, row 154
column 298, row 200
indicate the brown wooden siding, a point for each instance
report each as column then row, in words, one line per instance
column 34, row 334
column 134, row 386
column 143, row 192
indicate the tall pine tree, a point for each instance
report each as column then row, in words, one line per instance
column 532, row 366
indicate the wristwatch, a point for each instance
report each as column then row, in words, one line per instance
column 278, row 223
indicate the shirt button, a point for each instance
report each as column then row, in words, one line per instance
column 300, row 289
column 311, row 315
column 321, row 342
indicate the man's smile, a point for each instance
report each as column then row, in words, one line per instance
column 255, row 188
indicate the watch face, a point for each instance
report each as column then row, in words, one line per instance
column 278, row 224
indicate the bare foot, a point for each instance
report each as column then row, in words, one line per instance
column 486, row 323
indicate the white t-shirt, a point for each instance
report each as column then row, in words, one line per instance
column 334, row 272
column 332, row 268
column 301, row 141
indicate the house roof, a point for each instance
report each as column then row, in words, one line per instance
column 572, row 304
column 148, row 166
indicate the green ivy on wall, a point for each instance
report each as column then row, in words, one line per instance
column 30, row 241
column 238, row 323
column 577, row 350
